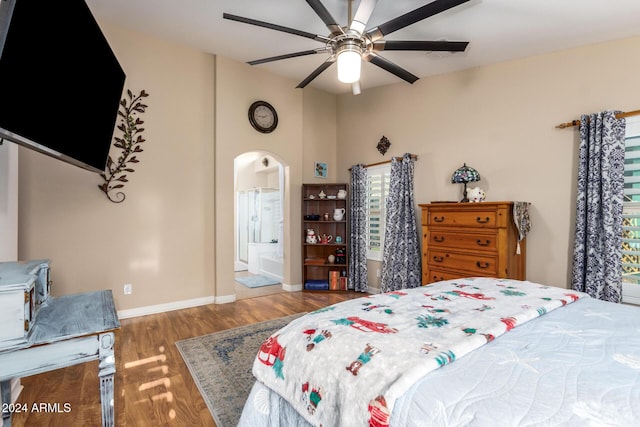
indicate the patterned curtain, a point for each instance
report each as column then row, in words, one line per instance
column 597, row 252
column 358, row 229
column 401, row 256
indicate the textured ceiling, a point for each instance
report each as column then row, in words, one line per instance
column 498, row 30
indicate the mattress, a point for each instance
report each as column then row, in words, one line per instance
column 575, row 366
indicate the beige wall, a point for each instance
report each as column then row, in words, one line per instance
column 237, row 86
column 172, row 235
column 501, row 120
column 251, row 173
column 306, row 133
column 160, row 238
column 320, row 134
column 8, row 202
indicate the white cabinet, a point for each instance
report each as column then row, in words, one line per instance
column 24, row 287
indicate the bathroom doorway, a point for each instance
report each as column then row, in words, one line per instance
column 259, row 225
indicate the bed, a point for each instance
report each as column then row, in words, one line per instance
column 473, row 351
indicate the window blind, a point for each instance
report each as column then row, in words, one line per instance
column 377, row 192
column 631, row 209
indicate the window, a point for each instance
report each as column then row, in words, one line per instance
column 631, row 214
column 377, row 192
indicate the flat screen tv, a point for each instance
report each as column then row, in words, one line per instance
column 60, row 82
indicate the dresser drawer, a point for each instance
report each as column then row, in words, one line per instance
column 462, row 218
column 480, row 264
column 436, row 275
column 475, row 241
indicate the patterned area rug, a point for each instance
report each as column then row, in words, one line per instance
column 256, row 281
column 220, row 364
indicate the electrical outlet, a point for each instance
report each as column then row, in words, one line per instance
column 128, row 289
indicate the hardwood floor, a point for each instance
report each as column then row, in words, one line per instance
column 153, row 386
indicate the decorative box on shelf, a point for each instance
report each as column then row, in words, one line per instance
column 316, row 285
column 334, row 280
column 24, row 287
column 344, row 284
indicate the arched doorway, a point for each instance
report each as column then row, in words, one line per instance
column 259, row 255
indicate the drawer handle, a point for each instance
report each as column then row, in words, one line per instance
column 483, row 221
column 482, row 264
column 436, row 279
column 438, row 218
column 438, row 239
column 485, row 243
column 437, row 258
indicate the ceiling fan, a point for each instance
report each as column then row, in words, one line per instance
column 350, row 45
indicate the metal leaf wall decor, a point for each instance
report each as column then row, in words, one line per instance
column 115, row 174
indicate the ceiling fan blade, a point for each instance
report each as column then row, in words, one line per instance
column 360, row 19
column 326, row 64
column 390, row 67
column 326, row 17
column 434, row 46
column 275, row 27
column 412, row 17
column 288, row 55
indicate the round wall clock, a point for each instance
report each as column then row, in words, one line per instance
column 263, row 116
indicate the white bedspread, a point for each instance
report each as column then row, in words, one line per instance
column 346, row 365
column 579, row 366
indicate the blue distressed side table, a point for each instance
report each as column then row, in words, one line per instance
column 68, row 330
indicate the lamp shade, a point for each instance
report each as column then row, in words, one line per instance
column 349, row 63
column 465, row 174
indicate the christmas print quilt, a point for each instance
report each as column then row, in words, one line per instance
column 347, row 364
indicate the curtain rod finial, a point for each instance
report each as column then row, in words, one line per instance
column 569, row 124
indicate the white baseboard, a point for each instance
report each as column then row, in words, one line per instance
column 225, row 299
column 177, row 305
column 631, row 300
column 631, row 293
column 292, row 288
column 161, row 308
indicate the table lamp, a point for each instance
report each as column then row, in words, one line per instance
column 463, row 175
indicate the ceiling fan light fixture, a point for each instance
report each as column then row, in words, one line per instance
column 350, row 45
column 349, row 63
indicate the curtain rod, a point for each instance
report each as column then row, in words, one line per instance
column 413, row 157
column 577, row 122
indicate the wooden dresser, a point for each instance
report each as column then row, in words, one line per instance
column 470, row 239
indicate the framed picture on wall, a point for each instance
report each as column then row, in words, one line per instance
column 320, row 170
